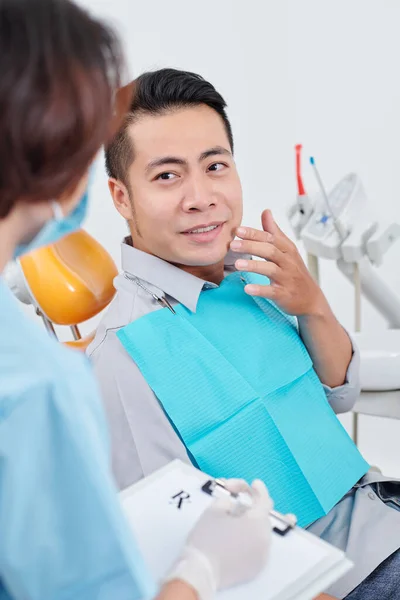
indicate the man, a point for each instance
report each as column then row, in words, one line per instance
column 222, row 377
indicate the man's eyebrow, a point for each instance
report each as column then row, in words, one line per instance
column 165, row 160
column 175, row 160
column 214, row 152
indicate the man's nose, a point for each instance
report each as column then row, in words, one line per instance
column 198, row 195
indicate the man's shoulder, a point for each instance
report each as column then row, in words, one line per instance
column 114, row 369
column 119, row 313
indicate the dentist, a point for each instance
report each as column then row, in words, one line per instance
column 63, row 535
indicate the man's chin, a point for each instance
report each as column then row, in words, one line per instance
column 200, row 259
column 205, row 257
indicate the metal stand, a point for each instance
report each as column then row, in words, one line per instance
column 48, row 324
column 313, row 266
column 75, row 332
column 357, row 323
column 50, row 327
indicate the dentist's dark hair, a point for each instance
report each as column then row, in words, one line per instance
column 59, row 71
column 157, row 93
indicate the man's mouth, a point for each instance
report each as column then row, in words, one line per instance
column 204, row 233
column 202, row 229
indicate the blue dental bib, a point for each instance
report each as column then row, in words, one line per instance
column 238, row 384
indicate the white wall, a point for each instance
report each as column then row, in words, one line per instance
column 320, row 72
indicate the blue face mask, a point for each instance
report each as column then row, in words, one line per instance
column 58, row 227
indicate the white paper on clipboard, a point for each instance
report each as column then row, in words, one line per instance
column 163, row 508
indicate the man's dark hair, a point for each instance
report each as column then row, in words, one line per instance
column 157, row 93
column 59, row 71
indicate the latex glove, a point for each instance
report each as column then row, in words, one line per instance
column 224, row 549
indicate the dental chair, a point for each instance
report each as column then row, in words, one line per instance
column 380, row 374
column 68, row 283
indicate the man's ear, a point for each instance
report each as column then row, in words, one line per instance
column 120, row 196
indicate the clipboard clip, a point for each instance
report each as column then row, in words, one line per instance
column 243, row 501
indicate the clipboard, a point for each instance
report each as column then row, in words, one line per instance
column 163, row 508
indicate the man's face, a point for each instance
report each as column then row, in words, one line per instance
column 184, row 187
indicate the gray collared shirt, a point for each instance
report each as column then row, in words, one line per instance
column 143, row 438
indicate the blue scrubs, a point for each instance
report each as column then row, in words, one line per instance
column 62, row 533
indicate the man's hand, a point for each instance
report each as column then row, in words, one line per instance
column 294, row 290
column 292, row 287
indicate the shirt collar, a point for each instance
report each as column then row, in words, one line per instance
column 180, row 285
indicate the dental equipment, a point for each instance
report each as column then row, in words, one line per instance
column 342, row 226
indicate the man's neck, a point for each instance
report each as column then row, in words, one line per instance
column 211, row 273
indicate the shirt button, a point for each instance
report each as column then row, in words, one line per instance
column 371, row 495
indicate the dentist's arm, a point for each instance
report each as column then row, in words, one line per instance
column 294, row 290
column 177, row 590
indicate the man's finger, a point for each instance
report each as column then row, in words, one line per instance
column 260, row 249
column 271, row 292
column 268, row 222
column 262, row 267
column 279, row 239
column 255, row 235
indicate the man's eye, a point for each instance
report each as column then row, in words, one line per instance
column 165, row 176
column 216, row 167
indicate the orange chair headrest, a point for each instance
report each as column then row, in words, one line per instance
column 70, row 281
